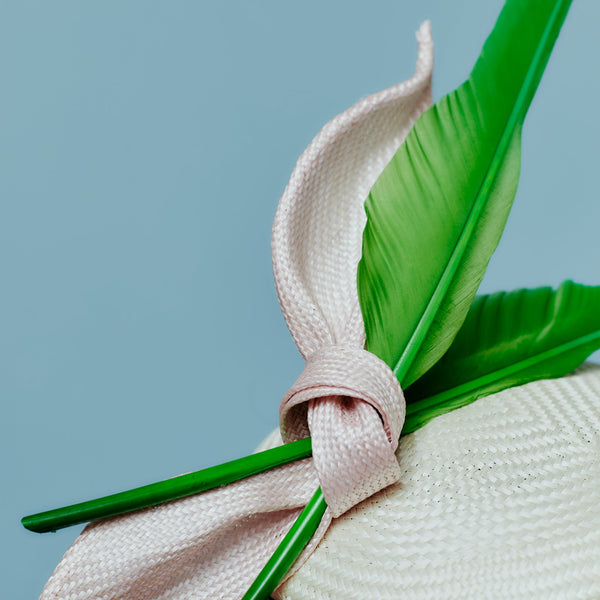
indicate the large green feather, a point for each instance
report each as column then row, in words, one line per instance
column 509, row 339
column 437, row 211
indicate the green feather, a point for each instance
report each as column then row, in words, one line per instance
column 437, row 211
column 509, row 339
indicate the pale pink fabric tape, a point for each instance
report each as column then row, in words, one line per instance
column 354, row 408
column 213, row 545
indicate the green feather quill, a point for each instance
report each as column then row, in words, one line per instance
column 437, row 211
column 509, row 339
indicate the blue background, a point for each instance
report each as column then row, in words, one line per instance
column 144, row 147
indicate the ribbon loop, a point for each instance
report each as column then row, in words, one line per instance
column 352, row 404
column 316, row 241
column 316, row 246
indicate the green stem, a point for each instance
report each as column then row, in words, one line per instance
column 289, row 549
column 417, row 415
column 422, row 411
column 206, row 479
column 177, row 487
column 170, row 489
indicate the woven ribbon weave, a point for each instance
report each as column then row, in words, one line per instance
column 213, row 545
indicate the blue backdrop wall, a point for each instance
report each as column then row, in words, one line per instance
column 144, row 148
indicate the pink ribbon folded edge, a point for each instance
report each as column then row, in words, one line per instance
column 213, row 545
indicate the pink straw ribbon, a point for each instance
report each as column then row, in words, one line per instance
column 213, row 545
column 354, row 408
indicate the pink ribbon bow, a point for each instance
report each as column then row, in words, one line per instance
column 213, row 545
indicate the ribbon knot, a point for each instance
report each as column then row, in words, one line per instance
column 352, row 405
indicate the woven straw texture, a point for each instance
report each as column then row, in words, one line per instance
column 499, row 499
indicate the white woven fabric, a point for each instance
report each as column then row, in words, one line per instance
column 497, row 500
